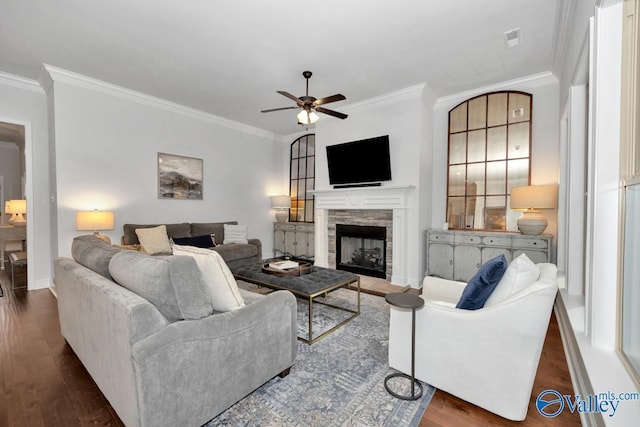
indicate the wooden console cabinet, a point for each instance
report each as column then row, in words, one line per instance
column 296, row 239
column 457, row 255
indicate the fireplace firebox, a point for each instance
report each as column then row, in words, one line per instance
column 361, row 249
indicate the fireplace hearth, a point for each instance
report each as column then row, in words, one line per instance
column 361, row 249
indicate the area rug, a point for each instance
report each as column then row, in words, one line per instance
column 337, row 381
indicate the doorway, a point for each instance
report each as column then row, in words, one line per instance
column 13, row 173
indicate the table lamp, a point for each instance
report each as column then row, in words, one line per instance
column 281, row 204
column 17, row 208
column 95, row 221
column 531, row 199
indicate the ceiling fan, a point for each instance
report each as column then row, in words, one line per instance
column 311, row 105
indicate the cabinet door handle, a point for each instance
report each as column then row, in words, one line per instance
column 450, row 262
column 478, row 265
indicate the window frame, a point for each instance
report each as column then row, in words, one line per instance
column 302, row 180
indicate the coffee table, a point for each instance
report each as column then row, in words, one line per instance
column 320, row 281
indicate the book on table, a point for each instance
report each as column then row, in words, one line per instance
column 283, row 265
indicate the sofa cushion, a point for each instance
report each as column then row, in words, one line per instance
column 93, row 253
column 479, row 288
column 154, row 240
column 234, row 251
column 548, row 272
column 217, row 228
column 205, row 241
column 520, row 273
column 235, row 234
column 173, row 284
column 222, row 286
column 173, row 230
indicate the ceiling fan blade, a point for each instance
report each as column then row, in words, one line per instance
column 291, row 97
column 278, row 109
column 331, row 113
column 328, row 99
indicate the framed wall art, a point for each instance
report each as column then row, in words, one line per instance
column 179, row 177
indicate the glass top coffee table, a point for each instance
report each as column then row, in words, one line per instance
column 319, row 282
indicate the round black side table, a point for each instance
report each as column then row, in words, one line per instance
column 404, row 300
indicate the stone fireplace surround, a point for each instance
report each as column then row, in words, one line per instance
column 354, row 200
column 375, row 217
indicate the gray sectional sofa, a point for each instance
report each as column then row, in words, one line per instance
column 167, row 359
column 234, row 254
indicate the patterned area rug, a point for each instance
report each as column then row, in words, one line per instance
column 338, row 381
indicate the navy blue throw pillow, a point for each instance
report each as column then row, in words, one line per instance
column 205, row 241
column 481, row 285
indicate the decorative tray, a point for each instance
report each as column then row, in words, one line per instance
column 301, row 269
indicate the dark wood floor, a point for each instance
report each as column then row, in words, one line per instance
column 42, row 382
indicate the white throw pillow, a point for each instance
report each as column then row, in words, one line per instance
column 235, row 234
column 220, row 282
column 520, row 273
column 154, row 240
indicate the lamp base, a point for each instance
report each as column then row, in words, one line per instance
column 102, row 237
column 19, row 221
column 282, row 215
column 532, row 223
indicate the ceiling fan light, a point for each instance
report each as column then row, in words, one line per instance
column 307, row 117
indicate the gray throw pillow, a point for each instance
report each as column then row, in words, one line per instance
column 171, row 283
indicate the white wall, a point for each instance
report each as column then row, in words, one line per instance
column 24, row 103
column 106, row 145
column 401, row 115
column 545, row 155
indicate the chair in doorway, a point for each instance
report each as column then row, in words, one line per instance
column 17, row 260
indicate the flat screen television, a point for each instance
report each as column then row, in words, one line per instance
column 359, row 163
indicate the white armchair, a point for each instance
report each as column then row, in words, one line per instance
column 489, row 356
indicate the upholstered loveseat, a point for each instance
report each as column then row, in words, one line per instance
column 156, row 348
column 234, row 254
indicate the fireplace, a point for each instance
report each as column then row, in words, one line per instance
column 386, row 206
column 361, row 249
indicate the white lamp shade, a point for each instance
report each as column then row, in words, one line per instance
column 94, row 220
column 307, row 117
column 534, row 197
column 280, row 202
column 15, row 206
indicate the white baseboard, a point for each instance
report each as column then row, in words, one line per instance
column 577, row 369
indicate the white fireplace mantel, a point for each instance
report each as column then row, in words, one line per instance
column 395, row 198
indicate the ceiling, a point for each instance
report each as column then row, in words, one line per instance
column 228, row 58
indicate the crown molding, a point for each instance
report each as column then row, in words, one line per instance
column 411, row 92
column 20, row 83
column 45, row 79
column 60, row 75
column 528, row 82
column 565, row 11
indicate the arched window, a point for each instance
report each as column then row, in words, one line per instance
column 489, row 153
column 302, row 178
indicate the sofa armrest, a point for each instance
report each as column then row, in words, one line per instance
column 258, row 243
column 192, row 370
column 437, row 289
column 101, row 320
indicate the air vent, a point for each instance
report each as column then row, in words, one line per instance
column 512, row 37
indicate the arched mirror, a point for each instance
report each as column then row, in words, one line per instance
column 489, row 153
